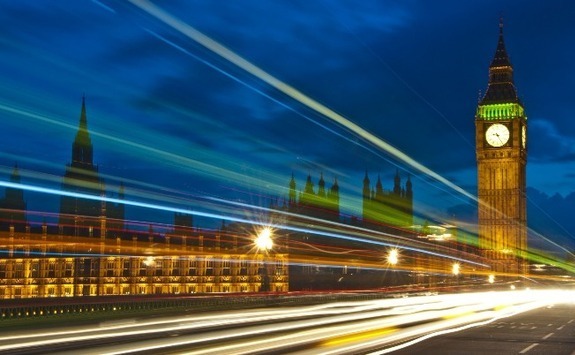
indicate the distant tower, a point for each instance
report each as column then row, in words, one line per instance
column 387, row 209
column 13, row 204
column 79, row 216
column 322, row 205
column 292, row 200
column 500, row 140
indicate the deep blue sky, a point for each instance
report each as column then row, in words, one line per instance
column 167, row 112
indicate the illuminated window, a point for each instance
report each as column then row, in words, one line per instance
column 126, row 268
column 143, row 268
column 176, row 264
column 18, row 270
column 243, row 267
column 52, row 268
column 226, row 270
column 3, row 270
column 279, row 267
column 209, row 267
column 110, row 267
column 159, row 267
column 34, row 269
column 193, row 268
column 69, row 269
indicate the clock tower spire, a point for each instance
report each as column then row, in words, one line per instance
column 501, row 153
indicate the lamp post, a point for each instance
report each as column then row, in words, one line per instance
column 392, row 260
column 455, row 269
column 393, row 256
column 491, row 278
column 264, row 243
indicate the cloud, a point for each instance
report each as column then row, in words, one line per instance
column 549, row 145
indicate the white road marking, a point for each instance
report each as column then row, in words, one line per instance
column 548, row 335
column 528, row 348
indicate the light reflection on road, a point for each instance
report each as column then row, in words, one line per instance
column 333, row 328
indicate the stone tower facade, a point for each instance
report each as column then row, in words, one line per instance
column 501, row 152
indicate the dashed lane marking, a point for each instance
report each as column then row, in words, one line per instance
column 528, row 348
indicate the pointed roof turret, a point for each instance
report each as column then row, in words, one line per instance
column 501, row 88
column 15, row 177
column 335, row 186
column 501, row 59
column 397, row 183
column 82, row 136
column 321, row 186
column 82, row 147
column 292, row 182
column 366, row 179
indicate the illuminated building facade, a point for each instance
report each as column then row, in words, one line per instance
column 91, row 253
column 320, row 207
column 501, row 151
column 40, row 264
column 382, row 208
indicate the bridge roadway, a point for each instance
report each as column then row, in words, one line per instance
column 498, row 322
column 548, row 330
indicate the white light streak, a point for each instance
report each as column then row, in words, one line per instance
column 288, row 90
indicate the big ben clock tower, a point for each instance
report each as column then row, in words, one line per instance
column 500, row 141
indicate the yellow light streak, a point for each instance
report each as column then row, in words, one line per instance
column 360, row 336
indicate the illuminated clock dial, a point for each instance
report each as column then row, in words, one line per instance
column 497, row 135
column 524, row 136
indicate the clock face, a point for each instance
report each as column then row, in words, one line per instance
column 524, row 136
column 497, row 135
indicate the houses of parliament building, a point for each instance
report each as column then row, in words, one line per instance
column 91, row 252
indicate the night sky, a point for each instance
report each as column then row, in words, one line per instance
column 172, row 118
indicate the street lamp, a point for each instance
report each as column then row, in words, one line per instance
column 455, row 269
column 264, row 242
column 393, row 256
column 491, row 279
column 264, row 239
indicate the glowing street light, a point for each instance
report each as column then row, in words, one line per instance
column 393, row 256
column 455, row 269
column 264, row 239
column 491, row 278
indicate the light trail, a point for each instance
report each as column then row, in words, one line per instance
column 332, row 328
column 295, row 94
column 223, row 217
column 262, row 93
column 288, row 90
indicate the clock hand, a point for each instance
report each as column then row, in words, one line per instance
column 498, row 137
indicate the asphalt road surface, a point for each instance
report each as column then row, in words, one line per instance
column 494, row 322
column 548, row 331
